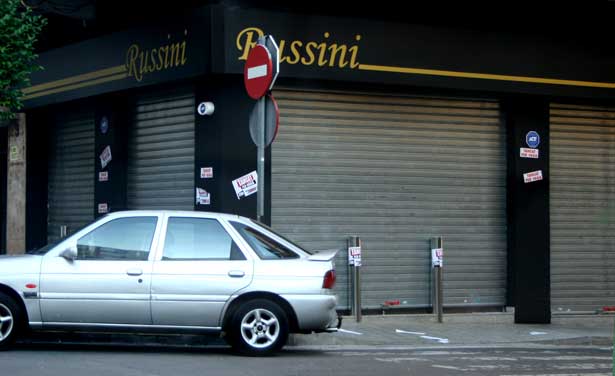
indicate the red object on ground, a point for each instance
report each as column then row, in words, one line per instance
column 391, row 302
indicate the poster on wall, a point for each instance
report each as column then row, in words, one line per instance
column 354, row 256
column 105, row 157
column 103, row 208
column 203, row 197
column 532, row 176
column 207, row 172
column 528, row 153
column 246, row 185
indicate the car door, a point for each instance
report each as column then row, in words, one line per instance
column 109, row 282
column 199, row 268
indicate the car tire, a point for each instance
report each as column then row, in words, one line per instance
column 258, row 328
column 11, row 321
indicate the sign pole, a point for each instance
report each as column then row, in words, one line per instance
column 259, row 74
column 260, row 161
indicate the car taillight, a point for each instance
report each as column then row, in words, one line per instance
column 329, row 280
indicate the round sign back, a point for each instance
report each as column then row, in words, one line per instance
column 269, row 127
column 258, row 72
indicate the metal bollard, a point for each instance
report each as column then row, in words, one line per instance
column 354, row 260
column 63, row 230
column 437, row 250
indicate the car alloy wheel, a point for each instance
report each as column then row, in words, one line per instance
column 7, row 322
column 260, row 328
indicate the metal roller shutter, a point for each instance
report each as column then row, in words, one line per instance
column 161, row 152
column 582, row 205
column 396, row 171
column 71, row 172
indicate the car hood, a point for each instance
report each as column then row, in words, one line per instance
column 20, row 264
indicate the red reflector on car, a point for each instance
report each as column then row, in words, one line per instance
column 31, row 286
column 329, row 280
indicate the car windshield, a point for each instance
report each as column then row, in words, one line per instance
column 47, row 248
column 281, row 236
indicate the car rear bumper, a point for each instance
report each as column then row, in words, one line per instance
column 314, row 312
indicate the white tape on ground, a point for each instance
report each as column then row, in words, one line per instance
column 405, row 332
column 441, row 340
column 350, row 332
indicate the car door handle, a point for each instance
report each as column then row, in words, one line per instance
column 134, row 272
column 236, row 274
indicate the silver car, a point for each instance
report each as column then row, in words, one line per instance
column 172, row 271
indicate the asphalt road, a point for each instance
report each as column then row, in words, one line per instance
column 95, row 360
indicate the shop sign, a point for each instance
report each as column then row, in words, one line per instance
column 354, row 256
column 203, row 197
column 169, row 51
column 246, row 185
column 532, row 176
column 528, row 153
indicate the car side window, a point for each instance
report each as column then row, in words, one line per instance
column 127, row 239
column 198, row 239
column 265, row 247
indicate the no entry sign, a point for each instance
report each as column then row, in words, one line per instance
column 258, row 72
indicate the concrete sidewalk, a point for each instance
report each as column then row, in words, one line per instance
column 475, row 329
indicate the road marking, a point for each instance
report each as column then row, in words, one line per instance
column 538, row 333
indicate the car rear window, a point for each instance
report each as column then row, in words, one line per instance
column 265, row 247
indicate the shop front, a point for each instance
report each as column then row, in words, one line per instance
column 394, row 133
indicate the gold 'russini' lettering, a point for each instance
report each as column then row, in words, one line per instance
column 140, row 62
column 320, row 53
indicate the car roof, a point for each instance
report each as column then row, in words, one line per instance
column 185, row 213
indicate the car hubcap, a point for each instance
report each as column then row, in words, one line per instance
column 6, row 322
column 260, row 328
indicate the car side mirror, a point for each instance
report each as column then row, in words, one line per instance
column 70, row 253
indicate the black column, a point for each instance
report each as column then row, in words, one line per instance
column 528, row 212
column 37, row 175
column 112, row 123
column 223, row 143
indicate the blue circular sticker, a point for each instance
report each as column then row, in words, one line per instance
column 104, row 125
column 532, row 139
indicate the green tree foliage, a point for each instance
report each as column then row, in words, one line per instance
column 19, row 29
